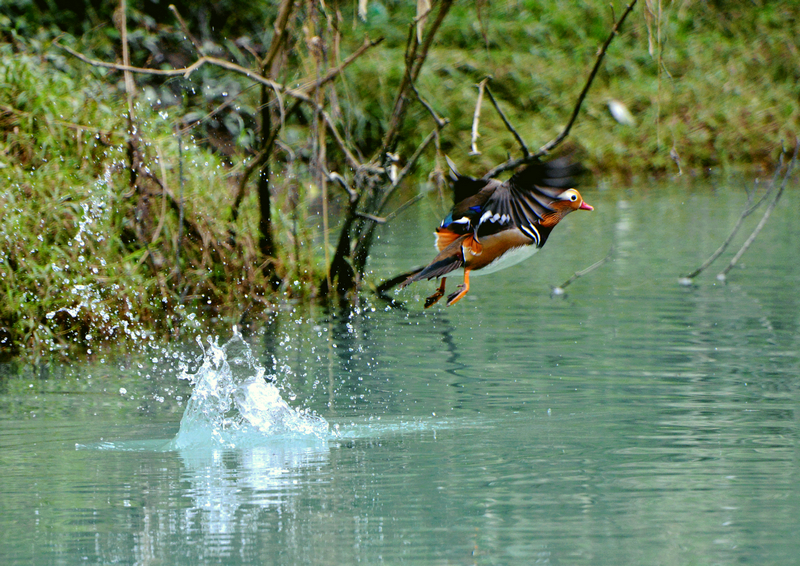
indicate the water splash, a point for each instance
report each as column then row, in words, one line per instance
column 232, row 405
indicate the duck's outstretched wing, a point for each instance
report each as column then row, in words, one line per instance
column 526, row 198
column 559, row 173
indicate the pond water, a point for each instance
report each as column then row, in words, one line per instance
column 631, row 421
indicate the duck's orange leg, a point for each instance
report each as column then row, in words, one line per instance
column 433, row 299
column 463, row 289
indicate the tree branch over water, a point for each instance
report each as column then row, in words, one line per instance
column 552, row 144
column 303, row 94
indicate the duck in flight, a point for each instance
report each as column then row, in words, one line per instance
column 495, row 224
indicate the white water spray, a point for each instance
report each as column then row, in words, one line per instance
column 232, row 405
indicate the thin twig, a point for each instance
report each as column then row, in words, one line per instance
column 416, row 54
column 523, row 146
column 187, row 71
column 123, row 28
column 336, row 71
column 441, row 122
column 372, row 217
column 748, row 210
column 106, row 134
column 413, row 200
column 185, row 29
column 179, row 243
column 767, row 213
column 162, row 166
column 476, row 117
column 406, row 170
column 559, row 290
column 279, row 36
column 342, row 182
column 552, row 144
column 217, row 109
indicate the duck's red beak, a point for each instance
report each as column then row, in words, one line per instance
column 585, row 206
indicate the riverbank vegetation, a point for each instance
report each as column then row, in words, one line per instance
column 134, row 201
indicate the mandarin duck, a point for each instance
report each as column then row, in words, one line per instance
column 494, row 224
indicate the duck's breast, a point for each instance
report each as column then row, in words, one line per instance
column 500, row 250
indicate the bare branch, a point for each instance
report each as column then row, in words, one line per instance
column 423, row 9
column 122, row 14
column 280, row 34
column 523, row 146
column 552, row 144
column 415, row 58
column 406, row 170
column 376, row 219
column 767, row 213
column 185, row 29
column 187, row 71
column 559, row 290
column 342, row 182
column 336, row 71
column 748, row 210
column 476, row 118
column 440, row 122
column 413, row 200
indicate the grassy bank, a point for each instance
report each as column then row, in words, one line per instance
column 85, row 262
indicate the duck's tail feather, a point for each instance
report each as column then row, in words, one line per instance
column 390, row 284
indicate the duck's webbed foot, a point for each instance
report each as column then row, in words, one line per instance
column 463, row 289
column 433, row 299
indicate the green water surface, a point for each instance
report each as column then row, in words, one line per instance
column 633, row 421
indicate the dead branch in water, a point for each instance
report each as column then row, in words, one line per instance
column 559, row 290
column 749, row 208
column 722, row 274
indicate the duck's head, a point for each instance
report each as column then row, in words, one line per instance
column 563, row 204
column 571, row 200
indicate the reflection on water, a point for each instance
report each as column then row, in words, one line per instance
column 633, row 421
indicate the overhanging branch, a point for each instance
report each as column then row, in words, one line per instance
column 552, row 144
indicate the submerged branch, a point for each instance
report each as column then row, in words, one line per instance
column 767, row 213
column 559, row 290
column 749, row 208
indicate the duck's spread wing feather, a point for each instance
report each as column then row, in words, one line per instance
column 510, row 207
column 559, row 174
column 526, row 198
column 489, row 207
